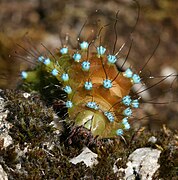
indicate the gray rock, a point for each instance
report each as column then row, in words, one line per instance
column 4, row 125
column 7, row 139
column 87, row 156
column 3, row 175
column 143, row 162
column 152, row 139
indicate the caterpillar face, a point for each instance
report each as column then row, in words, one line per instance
column 98, row 94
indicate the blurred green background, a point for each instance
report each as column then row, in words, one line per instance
column 30, row 23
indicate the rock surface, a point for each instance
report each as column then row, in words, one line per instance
column 4, row 125
column 87, row 156
column 143, row 163
column 3, row 175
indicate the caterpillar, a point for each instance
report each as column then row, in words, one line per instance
column 99, row 96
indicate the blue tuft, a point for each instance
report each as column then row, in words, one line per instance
column 127, row 112
column 125, row 120
column 84, row 45
column 64, row 50
column 119, row 132
column 109, row 116
column 136, row 79
column 126, row 100
column 85, row 65
column 135, row 103
column 100, row 50
column 69, row 104
column 77, row 57
column 65, row 77
column 92, row 105
column 127, row 126
column 41, row 58
column 54, row 72
column 24, row 75
column 47, row 61
column 128, row 73
column 88, row 85
column 111, row 59
column 68, row 89
column 107, row 83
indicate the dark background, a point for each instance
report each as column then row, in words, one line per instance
column 41, row 21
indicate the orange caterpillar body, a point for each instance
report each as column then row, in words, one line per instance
column 98, row 94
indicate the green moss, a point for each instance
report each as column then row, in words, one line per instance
column 47, row 153
column 40, row 163
column 30, row 118
column 169, row 156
